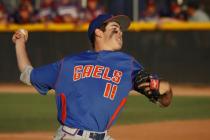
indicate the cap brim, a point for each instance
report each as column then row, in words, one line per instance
column 123, row 20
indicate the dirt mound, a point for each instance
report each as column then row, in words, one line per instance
column 174, row 130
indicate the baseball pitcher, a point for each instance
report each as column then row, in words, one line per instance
column 92, row 87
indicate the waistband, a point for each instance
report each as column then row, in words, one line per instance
column 84, row 133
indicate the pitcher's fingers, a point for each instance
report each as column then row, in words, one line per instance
column 17, row 35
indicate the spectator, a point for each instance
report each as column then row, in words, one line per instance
column 47, row 11
column 28, row 4
column 23, row 15
column 177, row 13
column 3, row 14
column 195, row 13
column 68, row 12
column 92, row 11
column 151, row 12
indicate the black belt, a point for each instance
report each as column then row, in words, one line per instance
column 94, row 136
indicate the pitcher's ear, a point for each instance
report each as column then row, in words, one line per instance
column 98, row 33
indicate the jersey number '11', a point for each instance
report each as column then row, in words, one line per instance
column 110, row 91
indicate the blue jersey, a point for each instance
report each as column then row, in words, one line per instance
column 91, row 88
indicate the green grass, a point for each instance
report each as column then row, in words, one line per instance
column 33, row 112
column 139, row 110
column 20, row 112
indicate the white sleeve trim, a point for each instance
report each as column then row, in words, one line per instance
column 25, row 75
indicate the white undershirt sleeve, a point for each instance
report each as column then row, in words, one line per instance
column 25, row 75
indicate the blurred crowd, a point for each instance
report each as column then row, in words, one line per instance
column 60, row 11
column 73, row 11
column 178, row 10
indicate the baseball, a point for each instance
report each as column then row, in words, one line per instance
column 25, row 33
column 164, row 86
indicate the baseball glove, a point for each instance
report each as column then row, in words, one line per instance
column 148, row 85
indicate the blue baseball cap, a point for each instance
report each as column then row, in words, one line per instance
column 123, row 20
